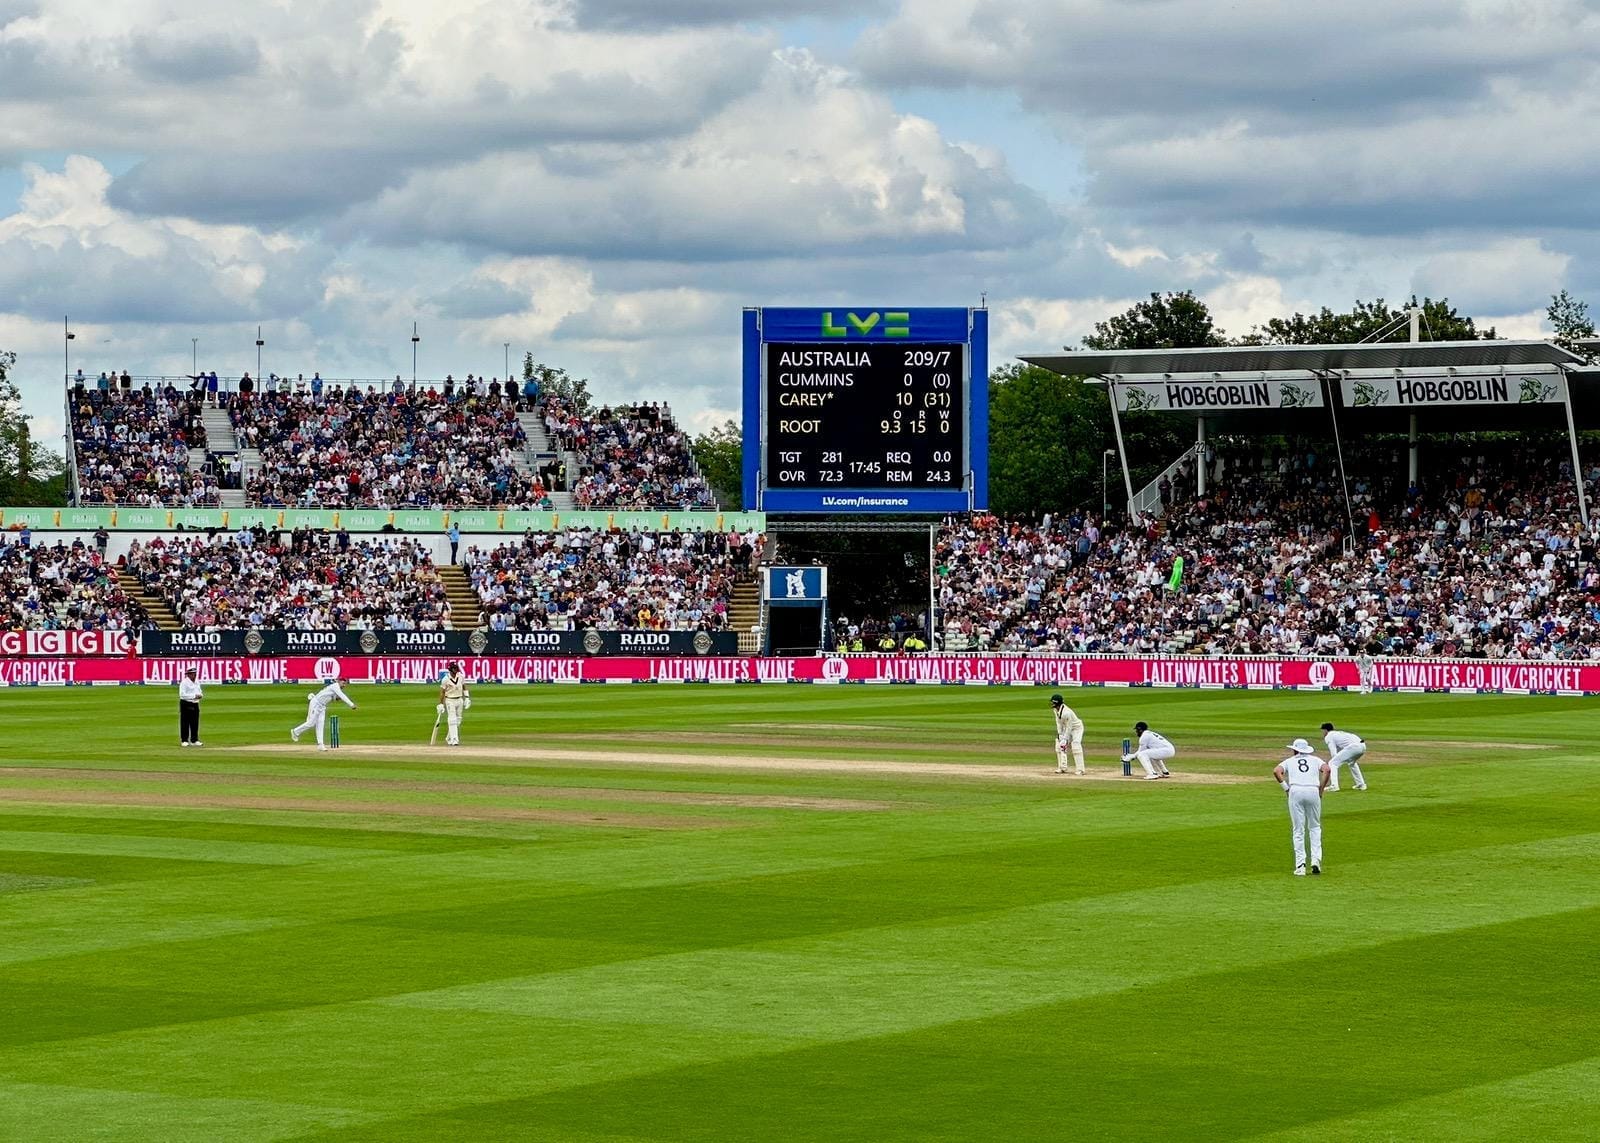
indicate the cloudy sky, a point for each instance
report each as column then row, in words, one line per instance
column 607, row 182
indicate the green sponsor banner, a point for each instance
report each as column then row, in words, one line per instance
column 250, row 517
column 307, row 518
column 522, row 521
column 84, row 519
column 363, row 520
column 194, row 518
column 476, row 520
column 142, row 519
column 419, row 521
column 30, row 518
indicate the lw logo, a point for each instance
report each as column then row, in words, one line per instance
column 896, row 323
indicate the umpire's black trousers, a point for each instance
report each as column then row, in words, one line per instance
column 188, row 722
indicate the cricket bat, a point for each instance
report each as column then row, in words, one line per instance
column 1127, row 749
column 433, row 735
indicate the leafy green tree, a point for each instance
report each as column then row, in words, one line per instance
column 1166, row 321
column 1047, row 440
column 1569, row 318
column 555, row 381
column 29, row 476
column 720, row 454
column 1364, row 321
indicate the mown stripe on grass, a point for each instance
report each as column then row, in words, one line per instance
column 874, row 980
column 1210, row 1057
column 173, row 848
column 69, row 1113
column 1554, row 1105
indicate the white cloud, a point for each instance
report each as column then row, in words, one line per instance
column 1492, row 276
column 808, row 163
column 66, row 248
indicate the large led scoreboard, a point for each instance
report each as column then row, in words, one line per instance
column 859, row 410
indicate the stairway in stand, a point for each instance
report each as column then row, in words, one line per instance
column 463, row 603
column 156, row 607
column 744, row 615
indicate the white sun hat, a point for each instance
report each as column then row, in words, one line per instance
column 1301, row 746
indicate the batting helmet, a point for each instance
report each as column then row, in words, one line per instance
column 1141, row 727
column 1057, row 700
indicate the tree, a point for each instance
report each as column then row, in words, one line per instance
column 1569, row 318
column 1364, row 321
column 720, row 454
column 29, row 475
column 1047, row 436
column 1166, row 321
column 554, row 381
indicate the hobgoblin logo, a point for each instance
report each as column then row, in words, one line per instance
column 419, row 638
column 196, row 638
column 645, row 639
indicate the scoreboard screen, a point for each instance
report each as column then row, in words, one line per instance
column 882, row 415
column 865, row 410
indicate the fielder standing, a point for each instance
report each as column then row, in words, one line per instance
column 1069, row 735
column 189, row 696
column 453, row 694
column 1152, row 753
column 1304, row 776
column 317, row 710
column 1344, row 749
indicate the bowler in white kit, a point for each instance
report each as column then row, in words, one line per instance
column 1344, row 749
column 1304, row 776
column 317, row 711
column 1069, row 735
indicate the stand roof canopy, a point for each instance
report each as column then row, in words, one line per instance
column 1154, row 364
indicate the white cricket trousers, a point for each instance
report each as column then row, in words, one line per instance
column 316, row 716
column 1305, row 821
column 1349, row 756
column 1154, row 760
column 452, row 722
column 1071, row 740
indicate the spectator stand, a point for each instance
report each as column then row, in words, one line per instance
column 1358, row 390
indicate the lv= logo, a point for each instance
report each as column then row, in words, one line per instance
column 896, row 323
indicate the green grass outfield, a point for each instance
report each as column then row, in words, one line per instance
column 515, row 940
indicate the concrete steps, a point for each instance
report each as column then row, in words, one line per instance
column 463, row 602
column 744, row 615
column 155, row 606
column 220, row 436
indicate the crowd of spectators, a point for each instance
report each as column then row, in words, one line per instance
column 133, row 445
column 315, row 582
column 653, row 581
column 352, row 448
column 630, row 457
column 62, row 587
column 438, row 445
column 1488, row 560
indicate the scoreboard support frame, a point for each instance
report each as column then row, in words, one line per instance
column 882, row 329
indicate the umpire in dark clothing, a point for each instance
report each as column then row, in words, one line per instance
column 189, row 696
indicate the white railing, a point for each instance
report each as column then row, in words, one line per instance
column 1147, row 501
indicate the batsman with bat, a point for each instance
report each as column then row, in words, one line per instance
column 454, row 700
column 1069, row 736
